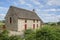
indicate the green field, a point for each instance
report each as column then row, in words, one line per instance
column 1, row 24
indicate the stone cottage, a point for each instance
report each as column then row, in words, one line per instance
column 18, row 19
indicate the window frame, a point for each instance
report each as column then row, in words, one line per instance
column 10, row 20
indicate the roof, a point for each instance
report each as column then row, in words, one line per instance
column 26, row 14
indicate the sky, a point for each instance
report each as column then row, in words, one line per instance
column 47, row 10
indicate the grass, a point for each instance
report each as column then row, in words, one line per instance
column 53, row 26
column 1, row 24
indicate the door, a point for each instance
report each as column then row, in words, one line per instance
column 25, row 26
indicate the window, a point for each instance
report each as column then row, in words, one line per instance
column 10, row 20
column 34, row 21
column 37, row 21
column 33, row 26
column 25, row 26
column 25, row 21
column 37, row 25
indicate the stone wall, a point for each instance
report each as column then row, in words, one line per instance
column 21, row 24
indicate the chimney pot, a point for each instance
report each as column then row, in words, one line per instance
column 34, row 10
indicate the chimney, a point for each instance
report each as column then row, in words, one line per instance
column 33, row 10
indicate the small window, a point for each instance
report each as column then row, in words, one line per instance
column 10, row 20
column 25, row 21
column 37, row 21
column 34, row 21
column 37, row 25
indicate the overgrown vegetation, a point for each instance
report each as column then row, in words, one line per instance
column 4, row 36
column 2, row 23
column 48, row 32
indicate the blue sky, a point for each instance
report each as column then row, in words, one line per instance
column 47, row 10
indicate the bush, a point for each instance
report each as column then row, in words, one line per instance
column 30, row 35
column 45, row 33
column 4, row 36
column 15, row 38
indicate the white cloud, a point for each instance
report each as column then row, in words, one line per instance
column 3, row 8
column 3, row 12
column 2, row 16
column 36, row 2
column 53, row 2
column 48, row 10
column 15, row 4
column 29, row 5
column 51, row 10
column 50, row 17
column 47, row 17
column 58, row 17
column 19, row 2
column 22, row 1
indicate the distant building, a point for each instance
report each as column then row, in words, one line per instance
column 18, row 19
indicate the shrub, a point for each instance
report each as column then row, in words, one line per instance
column 15, row 38
column 30, row 35
column 45, row 33
column 4, row 36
